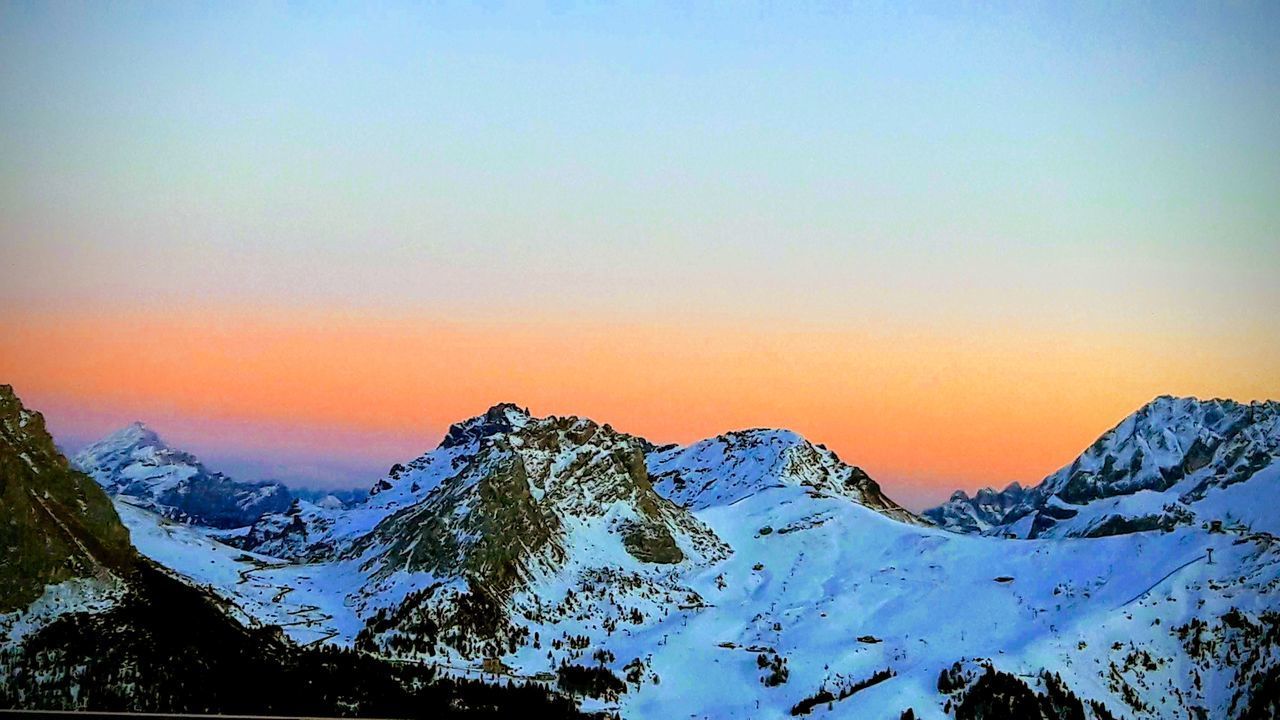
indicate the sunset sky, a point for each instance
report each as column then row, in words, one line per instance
column 953, row 244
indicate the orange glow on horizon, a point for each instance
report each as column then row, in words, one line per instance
column 928, row 408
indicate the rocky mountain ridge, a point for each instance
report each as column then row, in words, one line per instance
column 985, row 510
column 528, row 485
column 572, row 467
column 730, row 467
column 57, row 525
column 1151, row 471
column 136, row 463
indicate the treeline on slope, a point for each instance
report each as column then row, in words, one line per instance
column 806, row 706
column 473, row 623
column 1248, row 645
column 169, row 648
column 997, row 695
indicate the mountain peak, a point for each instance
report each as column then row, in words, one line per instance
column 135, row 462
column 504, row 408
column 1163, row 406
column 501, row 418
column 1179, row 447
column 14, row 414
column 508, row 497
column 135, row 434
column 728, row 468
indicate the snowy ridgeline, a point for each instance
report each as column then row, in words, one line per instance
column 137, row 464
column 756, row 574
column 1158, row 469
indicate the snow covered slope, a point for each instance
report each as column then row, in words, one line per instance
column 729, row 468
column 840, row 594
column 1174, row 462
column 820, row 593
column 521, row 511
column 136, row 463
column 771, row 579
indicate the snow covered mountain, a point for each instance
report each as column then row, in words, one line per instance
column 1174, row 462
column 86, row 623
column 533, row 492
column 789, row 584
column 524, row 512
column 568, row 468
column 756, row 575
column 136, row 463
column 729, row 468
column 985, row 510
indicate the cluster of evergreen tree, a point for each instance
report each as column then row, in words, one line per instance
column 1264, row 696
column 594, row 681
column 1246, row 643
column 806, row 706
column 777, row 667
column 419, row 630
column 169, row 648
column 472, row 622
column 999, row 695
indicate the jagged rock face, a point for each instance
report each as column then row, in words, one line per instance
column 526, row 494
column 57, row 524
column 499, row 419
column 314, row 531
column 1169, row 440
column 727, row 468
column 295, row 534
column 134, row 462
column 483, row 524
column 1179, row 448
column 986, row 509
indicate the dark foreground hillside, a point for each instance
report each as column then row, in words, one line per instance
column 170, row 648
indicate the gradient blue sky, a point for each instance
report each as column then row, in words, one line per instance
column 916, row 171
